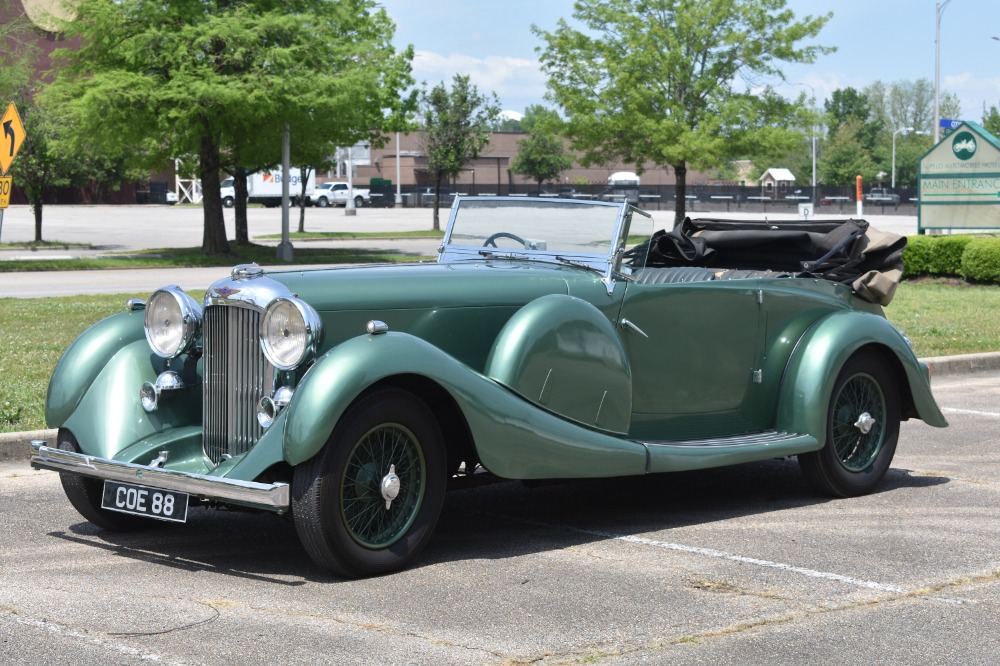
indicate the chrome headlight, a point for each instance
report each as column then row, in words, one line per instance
column 173, row 320
column 289, row 332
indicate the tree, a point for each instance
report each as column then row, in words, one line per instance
column 457, row 126
column 213, row 78
column 675, row 83
column 991, row 121
column 541, row 155
column 847, row 105
column 844, row 156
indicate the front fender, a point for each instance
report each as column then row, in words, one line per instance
column 84, row 360
column 807, row 384
column 513, row 438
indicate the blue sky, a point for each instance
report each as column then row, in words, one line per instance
column 876, row 40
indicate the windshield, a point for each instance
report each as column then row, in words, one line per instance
column 554, row 227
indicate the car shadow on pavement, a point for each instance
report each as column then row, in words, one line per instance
column 503, row 520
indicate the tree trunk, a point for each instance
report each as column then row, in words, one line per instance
column 302, row 199
column 214, row 239
column 680, row 171
column 36, row 208
column 437, row 201
column 240, row 205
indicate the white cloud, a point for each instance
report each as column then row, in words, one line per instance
column 518, row 82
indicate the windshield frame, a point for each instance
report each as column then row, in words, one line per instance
column 607, row 263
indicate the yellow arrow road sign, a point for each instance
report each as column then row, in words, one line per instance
column 12, row 137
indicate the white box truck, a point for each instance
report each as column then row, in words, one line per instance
column 265, row 187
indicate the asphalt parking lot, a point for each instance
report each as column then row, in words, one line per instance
column 729, row 566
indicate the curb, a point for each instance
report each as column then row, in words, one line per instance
column 15, row 446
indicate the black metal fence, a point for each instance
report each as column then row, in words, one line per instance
column 700, row 198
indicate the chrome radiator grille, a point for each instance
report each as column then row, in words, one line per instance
column 235, row 377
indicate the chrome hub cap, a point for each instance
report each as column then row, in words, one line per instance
column 865, row 423
column 390, row 487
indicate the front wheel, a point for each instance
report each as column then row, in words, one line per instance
column 861, row 432
column 368, row 502
column 85, row 495
column 228, row 202
column 322, row 202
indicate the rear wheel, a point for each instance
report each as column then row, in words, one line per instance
column 368, row 502
column 359, row 202
column 85, row 495
column 862, row 430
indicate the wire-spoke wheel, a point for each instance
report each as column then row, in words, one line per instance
column 368, row 502
column 862, row 430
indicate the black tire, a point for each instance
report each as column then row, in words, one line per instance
column 854, row 460
column 359, row 202
column 339, row 508
column 228, row 202
column 323, row 202
column 85, row 493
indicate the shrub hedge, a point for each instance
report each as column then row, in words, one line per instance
column 973, row 258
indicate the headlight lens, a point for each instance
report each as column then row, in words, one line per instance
column 289, row 332
column 173, row 320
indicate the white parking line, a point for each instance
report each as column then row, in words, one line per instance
column 722, row 555
column 718, row 554
column 953, row 410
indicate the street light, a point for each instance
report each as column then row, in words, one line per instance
column 937, row 68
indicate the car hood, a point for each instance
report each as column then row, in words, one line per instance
column 422, row 286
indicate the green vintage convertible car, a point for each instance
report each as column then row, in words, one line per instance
column 552, row 339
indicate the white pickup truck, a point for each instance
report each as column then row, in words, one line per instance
column 335, row 194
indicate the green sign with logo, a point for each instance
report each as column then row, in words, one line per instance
column 960, row 181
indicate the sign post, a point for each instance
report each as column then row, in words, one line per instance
column 10, row 143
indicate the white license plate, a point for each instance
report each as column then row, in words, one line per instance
column 142, row 501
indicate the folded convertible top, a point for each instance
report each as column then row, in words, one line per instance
column 846, row 251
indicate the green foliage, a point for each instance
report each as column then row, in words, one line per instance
column 917, row 257
column 991, row 121
column 673, row 83
column 974, row 258
column 981, row 261
column 457, row 126
column 218, row 79
column 948, row 253
column 541, row 155
column 845, row 157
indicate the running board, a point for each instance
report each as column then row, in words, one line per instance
column 679, row 456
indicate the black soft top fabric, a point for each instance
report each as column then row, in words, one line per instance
column 839, row 250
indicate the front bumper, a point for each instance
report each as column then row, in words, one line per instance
column 265, row 496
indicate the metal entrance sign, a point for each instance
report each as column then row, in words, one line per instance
column 13, row 137
column 960, row 181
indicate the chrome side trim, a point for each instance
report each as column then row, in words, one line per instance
column 267, row 496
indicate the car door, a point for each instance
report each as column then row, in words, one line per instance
column 693, row 349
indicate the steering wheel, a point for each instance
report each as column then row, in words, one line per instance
column 492, row 240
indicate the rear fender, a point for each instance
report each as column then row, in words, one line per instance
column 807, row 384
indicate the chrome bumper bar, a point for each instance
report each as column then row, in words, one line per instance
column 267, row 496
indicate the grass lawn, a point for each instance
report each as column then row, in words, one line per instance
column 940, row 317
column 193, row 257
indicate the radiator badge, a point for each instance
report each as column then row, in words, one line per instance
column 226, row 292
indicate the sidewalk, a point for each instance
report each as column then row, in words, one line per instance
column 17, row 445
